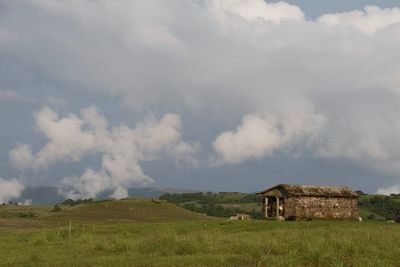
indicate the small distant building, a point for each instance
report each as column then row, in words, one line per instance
column 240, row 217
column 289, row 201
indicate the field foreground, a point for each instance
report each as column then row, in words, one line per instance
column 204, row 243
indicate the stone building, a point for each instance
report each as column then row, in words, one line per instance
column 287, row 201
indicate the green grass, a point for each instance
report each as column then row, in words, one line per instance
column 109, row 212
column 205, row 243
column 116, row 211
column 129, row 210
column 20, row 211
column 145, row 233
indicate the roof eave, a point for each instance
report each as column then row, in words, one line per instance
column 269, row 189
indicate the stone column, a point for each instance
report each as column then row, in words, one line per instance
column 277, row 208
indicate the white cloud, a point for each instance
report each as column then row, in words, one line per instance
column 254, row 138
column 91, row 183
column 72, row 137
column 365, row 131
column 27, row 202
column 259, row 136
column 257, row 10
column 10, row 189
column 394, row 189
column 21, row 156
column 368, row 21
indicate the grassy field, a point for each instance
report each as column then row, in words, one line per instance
column 117, row 211
column 166, row 235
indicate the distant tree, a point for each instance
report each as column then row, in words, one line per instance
column 71, row 202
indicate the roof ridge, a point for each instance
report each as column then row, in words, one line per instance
column 314, row 190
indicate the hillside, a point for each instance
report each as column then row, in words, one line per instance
column 106, row 211
column 223, row 204
column 129, row 210
column 379, row 207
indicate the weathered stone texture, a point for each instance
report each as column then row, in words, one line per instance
column 321, row 207
column 309, row 202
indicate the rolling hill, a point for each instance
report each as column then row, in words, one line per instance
column 105, row 211
column 128, row 210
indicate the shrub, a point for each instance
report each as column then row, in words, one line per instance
column 56, row 208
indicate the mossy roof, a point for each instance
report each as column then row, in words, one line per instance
column 312, row 190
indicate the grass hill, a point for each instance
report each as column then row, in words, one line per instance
column 128, row 210
column 105, row 211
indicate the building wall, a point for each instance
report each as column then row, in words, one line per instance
column 321, row 207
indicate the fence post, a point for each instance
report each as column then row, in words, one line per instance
column 69, row 230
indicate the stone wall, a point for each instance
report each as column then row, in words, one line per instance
column 321, row 207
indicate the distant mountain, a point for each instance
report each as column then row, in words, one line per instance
column 48, row 195
column 41, row 195
column 151, row 192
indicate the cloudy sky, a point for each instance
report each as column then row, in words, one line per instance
column 220, row 95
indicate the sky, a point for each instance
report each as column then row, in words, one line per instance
column 313, row 9
column 212, row 95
